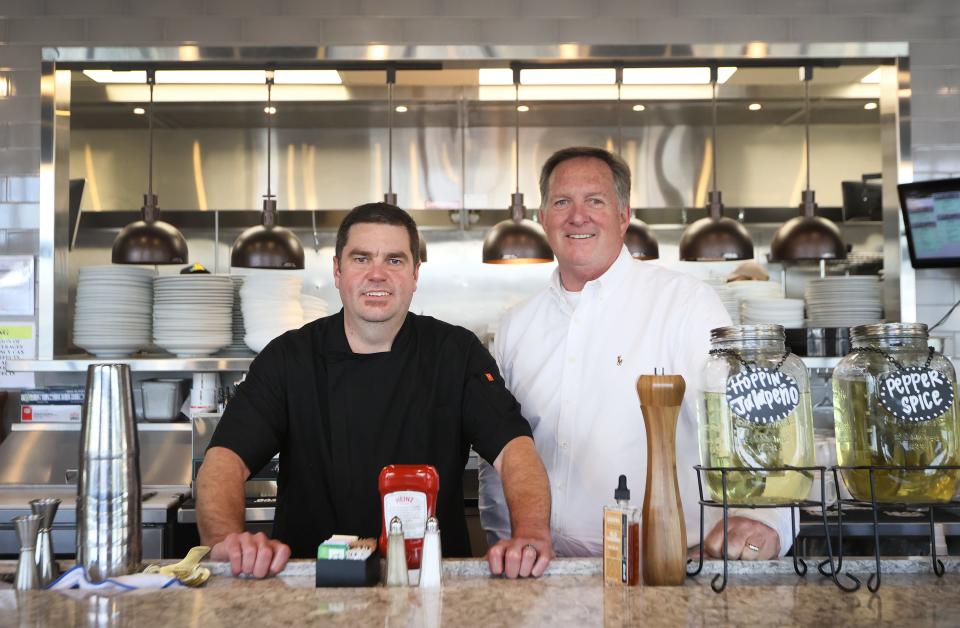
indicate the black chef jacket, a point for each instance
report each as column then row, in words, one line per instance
column 338, row 417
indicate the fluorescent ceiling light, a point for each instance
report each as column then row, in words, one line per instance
column 872, row 78
column 112, row 76
column 232, row 77
column 569, row 76
column 674, row 76
column 496, row 76
column 307, row 77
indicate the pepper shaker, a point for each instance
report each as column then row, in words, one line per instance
column 397, row 575
column 27, row 527
column 46, row 564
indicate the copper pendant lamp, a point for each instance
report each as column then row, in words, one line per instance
column 149, row 240
column 268, row 245
column 807, row 236
column 391, row 197
column 517, row 240
column 639, row 239
column 716, row 237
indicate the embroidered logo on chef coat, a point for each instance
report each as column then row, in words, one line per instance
column 488, row 376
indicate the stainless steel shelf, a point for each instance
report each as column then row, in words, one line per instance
column 150, row 365
column 820, row 363
column 75, row 427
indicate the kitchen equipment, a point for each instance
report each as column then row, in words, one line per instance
column 46, row 508
column 27, row 527
column 755, row 411
column 108, row 492
column 664, row 547
column 162, row 399
column 397, row 574
column 895, row 404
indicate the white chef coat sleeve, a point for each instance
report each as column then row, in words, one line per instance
column 706, row 312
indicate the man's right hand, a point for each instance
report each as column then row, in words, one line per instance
column 252, row 554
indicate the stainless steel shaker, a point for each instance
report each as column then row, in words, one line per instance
column 26, row 527
column 46, row 563
column 108, row 490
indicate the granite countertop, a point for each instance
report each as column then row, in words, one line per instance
column 572, row 593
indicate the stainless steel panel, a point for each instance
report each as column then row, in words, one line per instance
column 65, row 541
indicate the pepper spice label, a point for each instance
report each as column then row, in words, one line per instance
column 915, row 394
column 762, row 395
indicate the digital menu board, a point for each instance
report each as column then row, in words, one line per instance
column 931, row 215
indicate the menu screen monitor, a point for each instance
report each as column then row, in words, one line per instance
column 931, row 215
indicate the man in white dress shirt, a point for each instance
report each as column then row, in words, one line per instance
column 571, row 356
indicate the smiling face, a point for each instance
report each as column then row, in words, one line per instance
column 375, row 274
column 583, row 220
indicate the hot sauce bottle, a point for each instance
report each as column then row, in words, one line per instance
column 408, row 491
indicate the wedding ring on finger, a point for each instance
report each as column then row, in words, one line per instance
column 531, row 546
column 752, row 547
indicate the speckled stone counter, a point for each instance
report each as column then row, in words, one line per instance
column 759, row 594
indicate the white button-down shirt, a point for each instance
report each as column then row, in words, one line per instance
column 573, row 363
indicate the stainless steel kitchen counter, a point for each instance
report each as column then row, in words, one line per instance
column 759, row 594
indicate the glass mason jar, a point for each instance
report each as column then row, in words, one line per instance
column 733, row 437
column 869, row 434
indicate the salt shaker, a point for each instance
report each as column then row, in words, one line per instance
column 431, row 567
column 27, row 527
column 397, row 575
column 46, row 564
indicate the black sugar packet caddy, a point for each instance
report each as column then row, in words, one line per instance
column 349, row 573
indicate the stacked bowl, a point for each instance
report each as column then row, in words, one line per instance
column 271, row 306
column 112, row 310
column 192, row 314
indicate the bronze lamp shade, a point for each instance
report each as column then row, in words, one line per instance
column 640, row 241
column 149, row 240
column 267, row 245
column 516, row 240
column 715, row 238
column 807, row 237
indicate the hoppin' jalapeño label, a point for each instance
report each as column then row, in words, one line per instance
column 762, row 395
column 915, row 393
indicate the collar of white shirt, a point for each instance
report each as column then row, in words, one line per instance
column 601, row 286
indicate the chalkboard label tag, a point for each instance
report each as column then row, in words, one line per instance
column 915, row 394
column 762, row 395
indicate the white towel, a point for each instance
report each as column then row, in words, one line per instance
column 76, row 578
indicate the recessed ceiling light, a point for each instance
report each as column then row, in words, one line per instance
column 400, row 108
column 754, row 106
column 523, row 108
column 639, row 108
column 870, row 106
column 139, row 111
column 270, row 110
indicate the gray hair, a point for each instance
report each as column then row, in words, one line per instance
column 618, row 168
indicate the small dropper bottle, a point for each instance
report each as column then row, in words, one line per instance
column 621, row 539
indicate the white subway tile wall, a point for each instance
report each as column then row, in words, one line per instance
column 928, row 25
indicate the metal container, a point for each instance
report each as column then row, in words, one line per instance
column 46, row 508
column 27, row 527
column 108, row 492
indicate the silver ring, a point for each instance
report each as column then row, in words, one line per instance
column 753, row 547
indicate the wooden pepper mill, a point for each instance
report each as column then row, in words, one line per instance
column 664, row 547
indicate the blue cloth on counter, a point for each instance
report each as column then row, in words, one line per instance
column 76, row 578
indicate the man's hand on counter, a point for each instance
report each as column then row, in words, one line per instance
column 747, row 539
column 521, row 556
column 252, row 554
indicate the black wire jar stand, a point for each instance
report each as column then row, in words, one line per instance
column 873, row 583
column 826, row 567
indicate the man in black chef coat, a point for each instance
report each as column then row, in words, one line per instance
column 372, row 385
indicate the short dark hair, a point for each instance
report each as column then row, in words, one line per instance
column 380, row 214
column 618, row 168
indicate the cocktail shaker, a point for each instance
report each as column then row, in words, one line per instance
column 108, row 491
column 46, row 564
column 26, row 527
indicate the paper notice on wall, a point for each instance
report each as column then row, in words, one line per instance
column 18, row 341
column 16, row 285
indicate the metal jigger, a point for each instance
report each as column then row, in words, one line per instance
column 46, row 564
column 27, row 527
column 397, row 575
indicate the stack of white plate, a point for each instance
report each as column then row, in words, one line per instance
column 844, row 301
column 113, row 305
column 237, row 345
column 192, row 314
column 730, row 302
column 786, row 312
column 313, row 307
column 271, row 306
column 756, row 289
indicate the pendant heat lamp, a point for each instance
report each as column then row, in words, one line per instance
column 807, row 236
column 149, row 240
column 268, row 245
column 516, row 240
column 391, row 197
column 639, row 239
column 715, row 237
